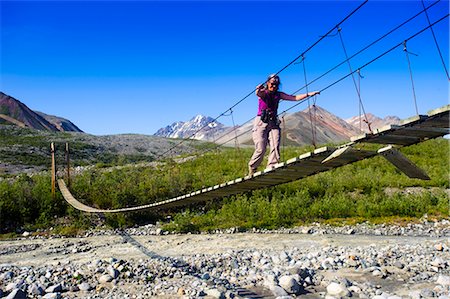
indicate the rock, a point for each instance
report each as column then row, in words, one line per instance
column 215, row 293
column 438, row 262
column 11, row 286
column 278, row 291
column 307, row 230
column 205, row 276
column 6, row 276
column 290, row 285
column 337, row 289
column 54, row 288
column 84, row 286
column 105, row 278
column 427, row 293
column 112, row 272
column 443, row 280
column 36, row 290
column 17, row 294
column 439, row 247
column 52, row 296
column 415, row 294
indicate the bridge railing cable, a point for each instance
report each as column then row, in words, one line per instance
column 278, row 72
column 373, row 60
column 385, row 35
column 330, row 85
column 369, row 45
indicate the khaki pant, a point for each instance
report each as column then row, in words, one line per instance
column 264, row 133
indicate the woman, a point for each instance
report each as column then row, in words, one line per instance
column 266, row 128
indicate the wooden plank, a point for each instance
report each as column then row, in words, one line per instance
column 392, row 139
column 347, row 155
column 403, row 163
column 440, row 111
column 422, row 132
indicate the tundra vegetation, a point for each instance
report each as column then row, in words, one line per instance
column 370, row 190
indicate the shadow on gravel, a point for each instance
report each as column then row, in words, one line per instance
column 129, row 239
column 243, row 292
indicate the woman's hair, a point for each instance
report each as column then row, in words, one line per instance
column 275, row 76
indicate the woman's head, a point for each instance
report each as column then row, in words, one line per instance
column 273, row 82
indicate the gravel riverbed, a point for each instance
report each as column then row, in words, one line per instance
column 318, row 261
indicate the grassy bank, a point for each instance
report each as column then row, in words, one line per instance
column 366, row 190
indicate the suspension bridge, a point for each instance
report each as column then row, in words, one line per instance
column 411, row 131
column 389, row 139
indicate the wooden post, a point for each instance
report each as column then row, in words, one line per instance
column 52, row 150
column 68, row 164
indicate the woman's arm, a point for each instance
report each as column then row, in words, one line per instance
column 298, row 97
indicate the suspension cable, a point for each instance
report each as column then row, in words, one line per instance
column 370, row 45
column 282, row 69
column 361, row 105
column 346, row 76
column 357, row 53
column 411, row 75
column 373, row 60
column 435, row 41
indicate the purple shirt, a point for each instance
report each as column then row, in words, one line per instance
column 269, row 101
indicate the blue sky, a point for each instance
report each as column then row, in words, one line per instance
column 116, row 67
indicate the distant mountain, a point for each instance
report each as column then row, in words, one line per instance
column 375, row 122
column 62, row 124
column 199, row 127
column 14, row 112
column 296, row 128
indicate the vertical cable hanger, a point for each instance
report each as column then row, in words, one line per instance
column 358, row 71
column 435, row 41
column 283, row 136
column 312, row 118
column 237, row 150
column 405, row 49
column 361, row 105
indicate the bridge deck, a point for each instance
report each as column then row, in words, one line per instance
column 410, row 131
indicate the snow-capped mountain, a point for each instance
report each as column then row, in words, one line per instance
column 199, row 127
column 374, row 121
column 296, row 128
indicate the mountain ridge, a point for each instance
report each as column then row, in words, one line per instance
column 313, row 125
column 13, row 111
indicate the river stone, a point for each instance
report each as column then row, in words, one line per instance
column 278, row 291
column 17, row 294
column 337, row 289
column 112, row 272
column 7, row 275
column 443, row 280
column 84, row 286
column 105, row 278
column 290, row 284
column 205, row 276
column 36, row 290
column 54, row 288
column 215, row 293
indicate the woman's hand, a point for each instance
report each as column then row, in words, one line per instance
column 311, row 94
